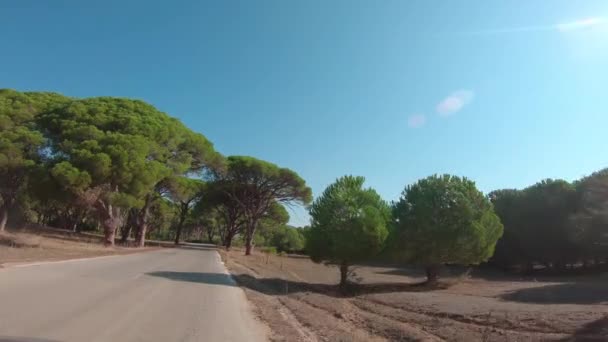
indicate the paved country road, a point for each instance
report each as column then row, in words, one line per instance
column 178, row 294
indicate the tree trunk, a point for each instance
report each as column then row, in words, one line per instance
column 432, row 272
column 65, row 221
column 228, row 240
column 142, row 223
column 3, row 217
column 136, row 232
column 248, row 244
column 125, row 233
column 178, row 230
column 228, row 243
column 128, row 228
column 343, row 274
column 111, row 220
column 222, row 233
column 180, row 224
column 74, row 228
column 140, row 236
column 249, row 232
column 76, row 225
column 178, row 233
column 109, row 232
column 210, row 234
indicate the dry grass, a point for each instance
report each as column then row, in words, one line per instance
column 300, row 302
column 44, row 244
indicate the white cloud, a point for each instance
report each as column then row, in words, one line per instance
column 416, row 120
column 579, row 24
column 569, row 26
column 455, row 102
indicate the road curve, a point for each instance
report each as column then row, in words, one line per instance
column 180, row 294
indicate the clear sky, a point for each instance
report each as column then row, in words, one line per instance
column 503, row 92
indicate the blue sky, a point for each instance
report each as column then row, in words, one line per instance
column 503, row 92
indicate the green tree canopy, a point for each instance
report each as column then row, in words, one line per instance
column 271, row 225
column 590, row 231
column 184, row 192
column 20, row 142
column 444, row 219
column 293, row 240
column 226, row 211
column 127, row 147
column 162, row 216
column 254, row 185
column 538, row 224
column 349, row 224
column 510, row 207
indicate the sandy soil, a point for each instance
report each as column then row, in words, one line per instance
column 48, row 244
column 299, row 301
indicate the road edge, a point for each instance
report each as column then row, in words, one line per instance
column 266, row 330
column 9, row 265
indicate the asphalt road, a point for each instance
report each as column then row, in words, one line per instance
column 181, row 294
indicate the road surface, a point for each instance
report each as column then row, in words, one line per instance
column 180, row 294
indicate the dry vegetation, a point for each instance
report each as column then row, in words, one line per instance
column 299, row 301
column 44, row 244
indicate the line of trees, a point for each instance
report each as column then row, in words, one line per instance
column 120, row 165
column 446, row 220
column 554, row 224
column 437, row 220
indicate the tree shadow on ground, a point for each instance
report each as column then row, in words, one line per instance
column 567, row 293
column 408, row 272
column 277, row 286
column 417, row 272
column 490, row 273
column 195, row 277
column 591, row 332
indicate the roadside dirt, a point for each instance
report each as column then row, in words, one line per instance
column 300, row 302
column 34, row 245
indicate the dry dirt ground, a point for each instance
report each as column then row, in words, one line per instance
column 44, row 244
column 299, row 301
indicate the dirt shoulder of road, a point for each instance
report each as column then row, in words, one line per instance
column 299, row 301
column 45, row 244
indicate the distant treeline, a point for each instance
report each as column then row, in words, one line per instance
column 554, row 223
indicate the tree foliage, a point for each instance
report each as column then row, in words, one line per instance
column 102, row 156
column 273, row 231
column 20, row 142
column 126, row 148
column 254, row 185
column 552, row 223
column 349, row 224
column 184, row 192
column 590, row 231
column 444, row 219
column 224, row 212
